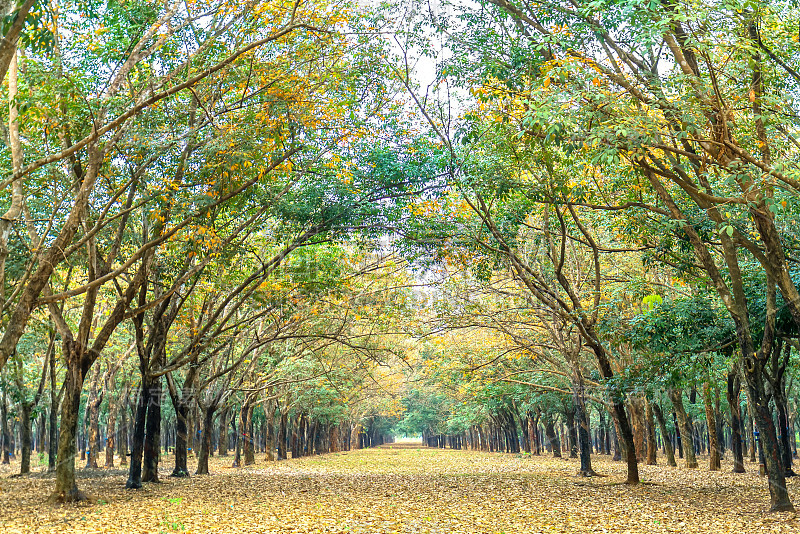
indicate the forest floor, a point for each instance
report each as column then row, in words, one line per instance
column 406, row 489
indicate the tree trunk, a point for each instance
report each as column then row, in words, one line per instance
column 249, row 451
column 572, row 436
column 582, row 420
column 637, row 420
column 181, row 453
column 733, row 393
column 651, row 433
column 152, row 438
column 205, row 446
column 687, row 442
column 123, row 429
column 93, row 407
column 779, row 496
column 52, row 442
column 137, row 441
column 222, row 448
column 6, row 432
column 111, row 432
column 711, row 422
column 25, row 437
column 282, row 453
column 66, row 489
column 662, row 424
column 552, row 438
column 270, row 431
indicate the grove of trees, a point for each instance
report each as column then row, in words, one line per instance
column 299, row 227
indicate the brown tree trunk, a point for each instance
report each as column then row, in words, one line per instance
column 733, row 393
column 25, row 437
column 270, row 409
column 222, row 448
column 651, row 433
column 6, row 432
column 93, row 413
column 111, row 432
column 205, row 446
column 662, row 424
column 637, row 420
column 137, row 440
column 687, row 441
column 152, row 439
column 123, row 429
column 181, row 469
column 66, row 489
column 552, row 438
column 713, row 445
column 249, row 451
column 282, row 431
column 52, row 442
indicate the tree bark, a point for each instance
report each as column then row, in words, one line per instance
column 222, row 448
column 249, row 452
column 552, row 438
column 733, row 393
column 651, row 433
column 181, row 452
column 687, row 442
column 123, row 429
column 152, row 438
column 662, row 424
column 713, row 445
column 282, row 453
column 25, row 437
column 205, row 446
column 137, row 440
column 6, row 432
column 66, row 489
column 93, row 413
column 582, row 420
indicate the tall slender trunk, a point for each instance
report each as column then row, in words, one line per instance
column 6, row 432
column 248, row 446
column 222, row 448
column 137, row 440
column 711, row 422
column 687, row 442
column 582, row 420
column 237, row 444
column 25, row 437
column 111, row 431
column 572, row 435
column 651, row 433
column 751, row 423
column 733, row 393
column 152, row 438
column 284, row 423
column 93, row 415
column 662, row 425
column 181, row 453
column 270, row 432
column 52, row 442
column 757, row 394
column 66, row 489
column 123, row 429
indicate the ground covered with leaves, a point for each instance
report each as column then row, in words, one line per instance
column 405, row 489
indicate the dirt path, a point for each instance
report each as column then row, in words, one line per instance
column 408, row 490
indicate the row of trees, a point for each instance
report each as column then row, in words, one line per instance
column 178, row 197
column 601, row 197
column 619, row 211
